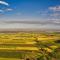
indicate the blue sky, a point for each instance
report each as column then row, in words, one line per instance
column 44, row 11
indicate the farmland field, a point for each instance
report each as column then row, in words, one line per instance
column 30, row 45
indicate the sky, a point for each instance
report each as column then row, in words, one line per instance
column 46, row 12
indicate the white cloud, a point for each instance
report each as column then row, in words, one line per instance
column 4, row 10
column 55, row 8
column 42, row 12
column 1, row 11
column 4, row 3
column 55, row 14
column 9, row 9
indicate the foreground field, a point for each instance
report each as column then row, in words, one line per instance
column 10, row 59
column 30, row 45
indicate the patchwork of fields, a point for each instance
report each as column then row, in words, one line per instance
column 29, row 45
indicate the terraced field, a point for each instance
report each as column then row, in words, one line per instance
column 29, row 45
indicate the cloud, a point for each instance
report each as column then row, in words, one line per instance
column 4, row 3
column 55, row 14
column 52, row 12
column 53, row 22
column 5, row 10
column 55, row 11
column 43, row 13
column 1, row 11
column 54, row 8
column 9, row 9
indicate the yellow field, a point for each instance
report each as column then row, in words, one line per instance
column 28, row 41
